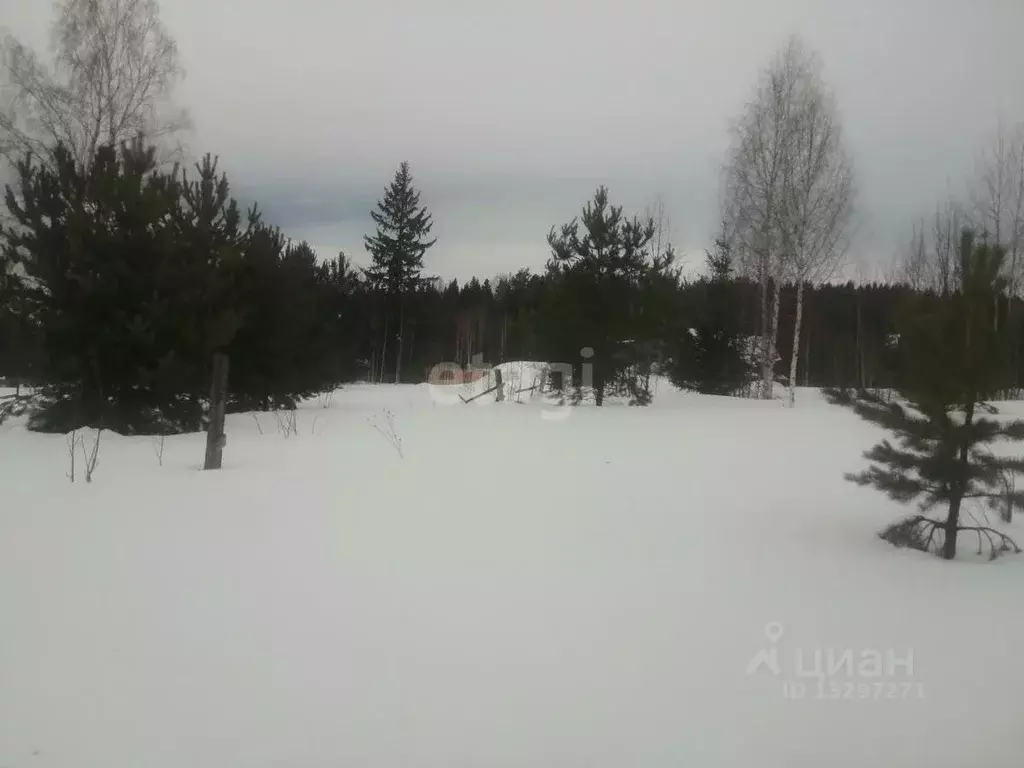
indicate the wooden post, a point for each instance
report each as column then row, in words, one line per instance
column 500, row 397
column 215, row 437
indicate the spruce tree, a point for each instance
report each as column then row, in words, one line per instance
column 397, row 251
column 950, row 353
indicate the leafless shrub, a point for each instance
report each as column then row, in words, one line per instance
column 257, row 420
column 90, row 455
column 325, row 398
column 386, row 428
column 72, row 440
column 158, row 448
column 287, row 422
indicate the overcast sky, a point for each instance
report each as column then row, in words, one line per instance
column 511, row 112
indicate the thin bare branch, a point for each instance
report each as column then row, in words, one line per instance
column 114, row 68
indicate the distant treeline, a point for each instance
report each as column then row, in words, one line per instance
column 121, row 279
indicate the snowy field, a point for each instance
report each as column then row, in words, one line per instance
column 515, row 589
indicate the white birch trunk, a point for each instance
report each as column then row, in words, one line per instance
column 796, row 342
column 768, row 372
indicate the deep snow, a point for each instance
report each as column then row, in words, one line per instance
column 521, row 589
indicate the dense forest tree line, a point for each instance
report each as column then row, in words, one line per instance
column 122, row 275
column 121, row 279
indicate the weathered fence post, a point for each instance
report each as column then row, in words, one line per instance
column 215, row 437
column 500, row 397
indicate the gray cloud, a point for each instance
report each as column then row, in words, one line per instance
column 511, row 113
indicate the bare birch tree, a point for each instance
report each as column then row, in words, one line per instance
column 947, row 229
column 113, row 69
column 1015, row 240
column 993, row 189
column 997, row 193
column 930, row 259
column 788, row 190
column 817, row 196
column 662, row 224
column 915, row 268
column 753, row 176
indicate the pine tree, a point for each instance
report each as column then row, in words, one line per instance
column 594, row 300
column 397, row 251
column 342, row 296
column 263, row 373
column 951, row 361
column 653, row 315
column 98, row 247
column 710, row 355
column 202, row 315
